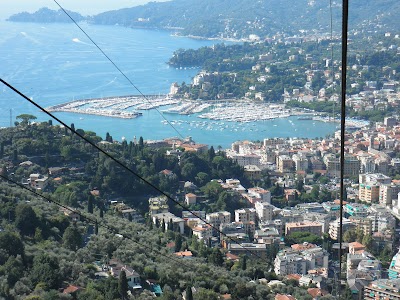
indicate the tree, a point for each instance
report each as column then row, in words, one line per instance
column 302, row 237
column 72, row 238
column 189, row 293
column 123, row 285
column 350, row 236
column 13, row 269
column 211, row 153
column 141, row 143
column 202, row 178
column 45, row 270
column 10, row 245
column 90, row 204
column 25, row 219
column 26, row 119
column 243, row 262
column 367, row 241
column 178, row 242
column 216, row 257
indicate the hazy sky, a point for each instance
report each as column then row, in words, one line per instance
column 85, row 7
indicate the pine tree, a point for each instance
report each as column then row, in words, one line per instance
column 244, row 262
column 178, row 242
column 96, row 228
column 189, row 294
column 123, row 285
column 101, row 212
column 163, row 225
column 90, row 204
column 141, row 143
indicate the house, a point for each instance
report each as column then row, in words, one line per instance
column 158, row 205
column 190, row 198
column 167, row 173
column 70, row 213
column 356, row 247
column 37, row 181
column 203, row 232
column 116, row 267
column 184, row 254
column 167, row 218
column 72, row 290
column 252, row 172
column 316, row 293
column 27, row 164
column 55, row 171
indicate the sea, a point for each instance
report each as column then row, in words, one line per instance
column 57, row 63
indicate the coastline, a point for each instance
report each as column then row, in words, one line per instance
column 197, row 37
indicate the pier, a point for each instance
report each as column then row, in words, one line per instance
column 126, row 107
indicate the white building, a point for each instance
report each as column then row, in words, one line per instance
column 245, row 215
column 264, row 211
column 218, row 218
column 300, row 162
column 290, row 261
column 202, row 231
column 166, row 218
column 262, row 194
column 334, row 228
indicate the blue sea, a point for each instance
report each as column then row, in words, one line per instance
column 56, row 63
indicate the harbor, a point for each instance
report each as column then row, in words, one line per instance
column 228, row 110
column 116, row 107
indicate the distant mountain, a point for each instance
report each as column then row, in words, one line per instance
column 240, row 18
column 46, row 15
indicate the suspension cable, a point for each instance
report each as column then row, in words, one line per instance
column 345, row 23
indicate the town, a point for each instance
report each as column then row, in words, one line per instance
column 284, row 209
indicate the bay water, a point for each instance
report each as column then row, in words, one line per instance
column 56, row 63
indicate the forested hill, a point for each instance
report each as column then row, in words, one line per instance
column 239, row 18
column 46, row 15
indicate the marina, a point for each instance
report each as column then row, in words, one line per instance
column 235, row 111
column 75, row 73
column 116, row 107
column 129, row 107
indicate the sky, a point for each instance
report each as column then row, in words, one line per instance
column 85, row 7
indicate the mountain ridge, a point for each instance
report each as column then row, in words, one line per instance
column 238, row 19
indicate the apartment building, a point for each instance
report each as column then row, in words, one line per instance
column 264, row 211
column 383, row 289
column 260, row 193
column 218, row 218
column 368, row 192
column 245, row 215
column 284, row 163
column 334, row 228
column 351, row 166
column 291, row 261
column 305, row 226
column 158, row 205
column 388, row 193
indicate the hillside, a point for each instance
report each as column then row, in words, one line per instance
column 46, row 15
column 236, row 18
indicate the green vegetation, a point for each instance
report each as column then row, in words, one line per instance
column 45, row 15
column 42, row 249
column 238, row 19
